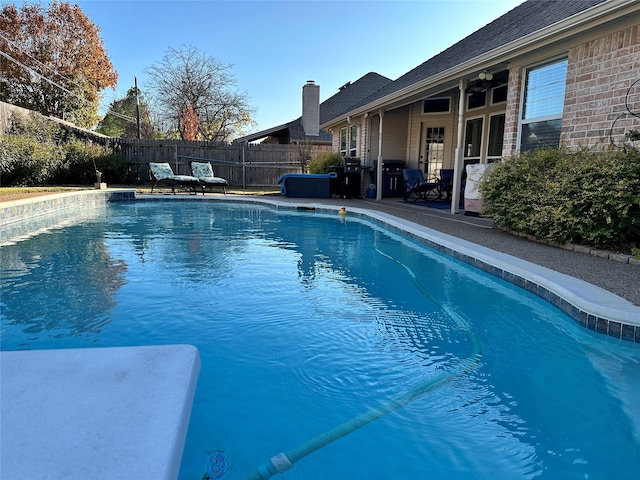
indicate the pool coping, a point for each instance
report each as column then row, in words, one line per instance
column 590, row 306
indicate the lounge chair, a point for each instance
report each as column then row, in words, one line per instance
column 416, row 186
column 203, row 171
column 162, row 176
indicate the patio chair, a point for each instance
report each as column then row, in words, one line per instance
column 162, row 176
column 446, row 183
column 416, row 186
column 438, row 188
column 203, row 171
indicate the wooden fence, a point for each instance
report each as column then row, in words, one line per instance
column 240, row 164
column 243, row 165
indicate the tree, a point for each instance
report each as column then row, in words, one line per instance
column 120, row 120
column 53, row 61
column 190, row 85
column 189, row 127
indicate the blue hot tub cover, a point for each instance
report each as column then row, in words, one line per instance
column 296, row 184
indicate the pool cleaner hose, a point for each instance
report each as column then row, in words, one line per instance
column 285, row 461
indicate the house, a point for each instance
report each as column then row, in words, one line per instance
column 548, row 72
column 306, row 127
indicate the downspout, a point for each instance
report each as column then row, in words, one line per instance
column 459, row 164
column 379, row 166
column 366, row 144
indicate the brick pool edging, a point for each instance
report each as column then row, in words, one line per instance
column 616, row 257
column 29, row 216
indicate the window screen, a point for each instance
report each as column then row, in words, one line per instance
column 545, row 90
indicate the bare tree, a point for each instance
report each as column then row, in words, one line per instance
column 188, row 83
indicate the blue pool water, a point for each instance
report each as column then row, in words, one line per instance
column 305, row 321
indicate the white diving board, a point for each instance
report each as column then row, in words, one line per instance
column 101, row 413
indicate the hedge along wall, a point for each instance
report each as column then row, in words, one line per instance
column 579, row 197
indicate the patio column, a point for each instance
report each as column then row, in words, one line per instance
column 379, row 166
column 459, row 163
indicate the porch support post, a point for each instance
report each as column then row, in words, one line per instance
column 379, row 166
column 459, row 163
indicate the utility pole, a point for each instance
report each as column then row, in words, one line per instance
column 135, row 82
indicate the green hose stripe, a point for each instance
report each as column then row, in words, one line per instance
column 330, row 436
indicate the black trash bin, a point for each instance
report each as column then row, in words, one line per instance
column 337, row 181
column 392, row 181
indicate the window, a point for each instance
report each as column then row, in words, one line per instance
column 476, row 100
column 349, row 141
column 499, row 95
column 541, row 121
column 343, row 141
column 353, row 141
column 496, row 137
column 436, row 105
column 473, row 139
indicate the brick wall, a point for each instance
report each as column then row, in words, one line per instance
column 599, row 75
column 512, row 114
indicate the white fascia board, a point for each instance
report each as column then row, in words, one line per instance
column 553, row 33
column 262, row 133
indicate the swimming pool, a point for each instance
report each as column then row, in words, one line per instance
column 305, row 321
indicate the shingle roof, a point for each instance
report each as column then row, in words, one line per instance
column 529, row 17
column 347, row 97
column 352, row 94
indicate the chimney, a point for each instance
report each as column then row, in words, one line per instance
column 311, row 108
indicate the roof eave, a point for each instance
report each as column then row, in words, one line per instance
column 553, row 33
column 252, row 137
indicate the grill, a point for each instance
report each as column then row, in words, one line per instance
column 392, row 181
column 351, row 185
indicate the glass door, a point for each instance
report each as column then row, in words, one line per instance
column 433, row 152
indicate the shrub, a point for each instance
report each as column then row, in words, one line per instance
column 566, row 196
column 78, row 165
column 113, row 167
column 323, row 162
column 26, row 161
column 36, row 151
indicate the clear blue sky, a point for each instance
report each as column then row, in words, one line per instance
column 274, row 47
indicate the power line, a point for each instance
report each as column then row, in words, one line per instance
column 25, row 52
column 38, row 74
column 64, row 89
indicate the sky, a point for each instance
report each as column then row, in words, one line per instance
column 275, row 47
